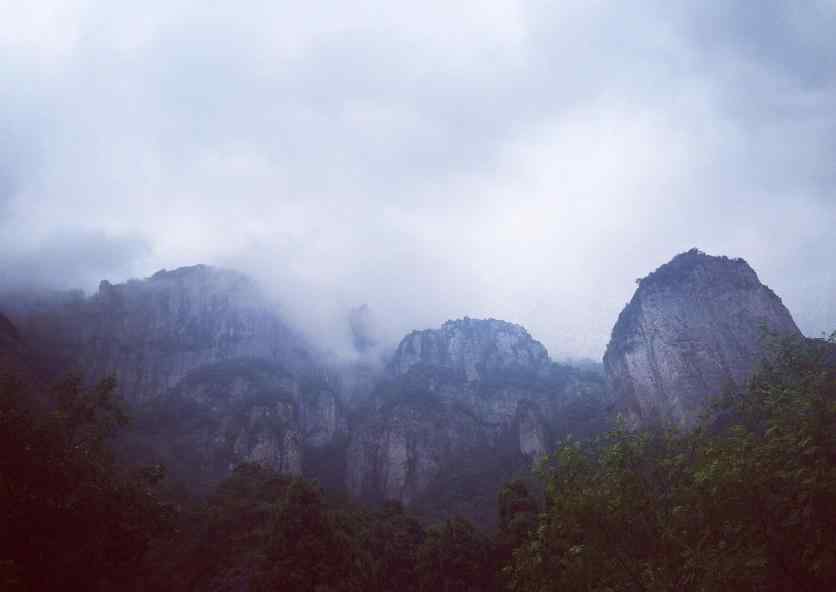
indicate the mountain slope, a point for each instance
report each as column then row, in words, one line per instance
column 215, row 376
column 694, row 327
column 464, row 408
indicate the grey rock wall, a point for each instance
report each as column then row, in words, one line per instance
column 217, row 377
column 214, row 374
column 696, row 326
column 475, row 396
column 473, row 346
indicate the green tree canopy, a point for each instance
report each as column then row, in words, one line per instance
column 744, row 503
column 71, row 518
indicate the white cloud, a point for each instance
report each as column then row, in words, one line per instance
column 521, row 160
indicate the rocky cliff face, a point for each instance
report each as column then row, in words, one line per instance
column 152, row 333
column 216, row 377
column 695, row 326
column 475, row 399
column 476, row 348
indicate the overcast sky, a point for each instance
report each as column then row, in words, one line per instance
column 518, row 160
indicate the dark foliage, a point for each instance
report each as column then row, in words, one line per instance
column 744, row 505
column 71, row 518
column 263, row 531
column 744, row 502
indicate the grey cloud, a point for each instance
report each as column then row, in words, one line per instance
column 72, row 259
column 793, row 40
column 525, row 160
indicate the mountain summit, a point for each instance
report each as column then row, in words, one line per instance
column 694, row 327
column 216, row 376
column 473, row 402
column 474, row 347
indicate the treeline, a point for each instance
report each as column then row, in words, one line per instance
column 263, row 531
column 75, row 518
column 71, row 518
column 746, row 502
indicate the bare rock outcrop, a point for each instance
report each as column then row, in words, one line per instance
column 473, row 402
column 696, row 326
column 475, row 347
column 216, row 377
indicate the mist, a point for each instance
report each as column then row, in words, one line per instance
column 495, row 159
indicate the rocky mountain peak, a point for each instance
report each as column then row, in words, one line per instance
column 474, row 396
column 694, row 327
column 186, row 272
column 696, row 264
column 476, row 347
column 212, row 369
column 206, row 280
column 150, row 333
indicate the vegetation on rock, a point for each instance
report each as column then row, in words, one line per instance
column 744, row 502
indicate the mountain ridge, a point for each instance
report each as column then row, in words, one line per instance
column 218, row 377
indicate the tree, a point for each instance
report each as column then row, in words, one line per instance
column 454, row 556
column 393, row 543
column 71, row 518
column 743, row 503
column 518, row 514
column 307, row 549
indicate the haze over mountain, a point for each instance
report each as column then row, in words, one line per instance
column 216, row 377
column 516, row 160
column 425, row 451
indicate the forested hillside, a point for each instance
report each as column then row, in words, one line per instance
column 743, row 502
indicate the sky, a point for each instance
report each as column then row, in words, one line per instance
column 521, row 160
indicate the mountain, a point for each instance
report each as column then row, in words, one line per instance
column 695, row 327
column 215, row 376
column 462, row 409
column 151, row 334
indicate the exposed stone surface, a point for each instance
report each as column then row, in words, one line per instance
column 152, row 333
column 473, row 396
column 201, row 352
column 245, row 409
column 695, row 326
column 216, row 378
column 475, row 347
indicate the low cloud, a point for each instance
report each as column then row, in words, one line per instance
column 520, row 160
column 71, row 259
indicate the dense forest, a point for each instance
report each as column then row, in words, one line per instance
column 743, row 502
